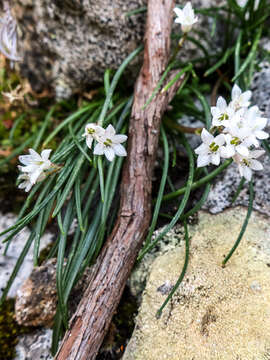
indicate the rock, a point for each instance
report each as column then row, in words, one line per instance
column 139, row 275
column 68, row 44
column 36, row 300
column 35, row 346
column 216, row 313
column 8, row 262
column 226, row 184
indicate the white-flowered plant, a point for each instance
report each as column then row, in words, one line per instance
column 185, row 17
column 221, row 113
column 34, row 168
column 210, row 150
column 247, row 164
column 240, row 99
column 93, row 132
column 108, row 142
column 26, row 183
column 239, row 128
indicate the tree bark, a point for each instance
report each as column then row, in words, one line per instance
column 89, row 324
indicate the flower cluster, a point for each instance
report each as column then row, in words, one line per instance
column 240, row 129
column 34, row 169
column 8, row 35
column 108, row 142
column 186, row 17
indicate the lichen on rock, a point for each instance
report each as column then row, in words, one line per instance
column 216, row 313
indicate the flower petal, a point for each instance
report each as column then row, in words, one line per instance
column 109, row 153
column 89, row 141
column 256, row 153
column 255, row 165
column 207, row 138
column 25, row 159
column 215, row 159
column 45, row 154
column 221, row 103
column 227, row 151
column 242, row 150
column 261, row 134
column 202, row 149
column 117, row 139
column 220, row 139
column 110, row 131
column 236, row 92
column 35, row 155
column 203, row 160
column 99, row 149
column 178, row 12
column 247, row 173
column 34, row 176
column 119, row 150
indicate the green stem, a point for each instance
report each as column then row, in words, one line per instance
column 244, row 226
column 181, row 277
column 182, row 205
column 198, row 183
column 161, row 187
column 239, row 188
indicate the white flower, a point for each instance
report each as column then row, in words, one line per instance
column 109, row 144
column 222, row 113
column 247, row 164
column 241, row 3
column 35, row 164
column 210, row 150
column 93, row 132
column 256, row 123
column 235, row 144
column 239, row 99
column 186, row 17
column 247, row 126
column 27, row 184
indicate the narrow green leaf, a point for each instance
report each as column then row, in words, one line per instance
column 182, row 205
column 181, row 277
column 69, row 184
column 115, row 82
column 250, row 56
column 244, row 226
column 200, row 182
column 161, row 187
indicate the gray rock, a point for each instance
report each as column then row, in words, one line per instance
column 35, row 346
column 8, row 261
column 68, row 44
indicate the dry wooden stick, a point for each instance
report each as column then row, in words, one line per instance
column 89, row 324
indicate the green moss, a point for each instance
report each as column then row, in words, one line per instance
column 44, row 254
column 9, row 330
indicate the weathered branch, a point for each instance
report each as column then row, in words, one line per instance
column 92, row 318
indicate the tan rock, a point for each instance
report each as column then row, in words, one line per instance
column 217, row 313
